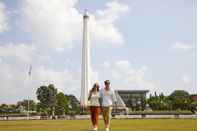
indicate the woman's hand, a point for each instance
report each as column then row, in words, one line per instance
column 90, row 95
column 101, row 109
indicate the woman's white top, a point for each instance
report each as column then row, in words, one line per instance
column 94, row 100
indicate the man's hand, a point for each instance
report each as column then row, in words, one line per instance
column 115, row 106
column 115, row 103
column 101, row 109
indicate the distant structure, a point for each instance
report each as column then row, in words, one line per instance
column 134, row 99
column 120, row 107
column 85, row 68
column 193, row 97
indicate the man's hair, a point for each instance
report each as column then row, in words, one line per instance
column 107, row 82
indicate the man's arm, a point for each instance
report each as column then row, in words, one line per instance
column 100, row 98
column 114, row 96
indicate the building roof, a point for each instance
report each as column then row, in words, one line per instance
column 193, row 95
column 132, row 91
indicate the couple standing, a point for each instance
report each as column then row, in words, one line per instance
column 101, row 101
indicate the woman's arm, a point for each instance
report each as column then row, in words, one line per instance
column 100, row 98
column 90, row 95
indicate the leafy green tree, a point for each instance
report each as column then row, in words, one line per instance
column 193, row 106
column 73, row 104
column 47, row 97
column 62, row 104
column 159, row 102
column 42, row 110
column 24, row 104
column 3, row 108
column 9, row 109
column 42, row 96
column 180, row 100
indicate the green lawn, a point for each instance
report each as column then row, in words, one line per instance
column 116, row 125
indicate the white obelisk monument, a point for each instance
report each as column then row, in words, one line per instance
column 85, row 68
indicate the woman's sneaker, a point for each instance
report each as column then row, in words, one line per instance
column 106, row 129
column 95, row 129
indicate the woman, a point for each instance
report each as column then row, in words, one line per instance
column 94, row 105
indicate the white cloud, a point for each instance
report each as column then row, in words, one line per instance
column 94, row 77
column 182, row 46
column 14, row 73
column 186, row 79
column 106, row 64
column 16, row 83
column 22, row 52
column 103, row 23
column 3, row 18
column 124, row 76
column 59, row 24
column 56, row 24
column 123, row 65
column 112, row 11
column 65, row 80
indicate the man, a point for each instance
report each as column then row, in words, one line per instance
column 108, row 97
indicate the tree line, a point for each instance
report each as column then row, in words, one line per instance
column 54, row 103
column 177, row 100
column 51, row 103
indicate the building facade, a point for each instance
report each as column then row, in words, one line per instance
column 193, row 97
column 134, row 99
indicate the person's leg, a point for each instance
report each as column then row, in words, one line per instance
column 92, row 115
column 107, row 117
column 97, row 112
column 95, row 117
column 104, row 114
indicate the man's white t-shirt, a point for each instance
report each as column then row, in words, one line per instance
column 108, row 97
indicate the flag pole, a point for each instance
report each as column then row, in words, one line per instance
column 28, row 99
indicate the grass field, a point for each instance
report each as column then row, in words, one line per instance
column 116, row 125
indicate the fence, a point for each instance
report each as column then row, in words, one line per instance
column 83, row 117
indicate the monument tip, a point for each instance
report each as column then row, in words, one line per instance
column 86, row 14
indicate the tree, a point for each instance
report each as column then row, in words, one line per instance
column 180, row 100
column 24, row 104
column 159, row 102
column 9, row 109
column 47, row 97
column 4, row 108
column 74, row 105
column 42, row 96
column 193, row 106
column 62, row 104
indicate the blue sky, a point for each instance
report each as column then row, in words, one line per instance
column 137, row 44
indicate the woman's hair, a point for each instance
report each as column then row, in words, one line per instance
column 96, row 85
